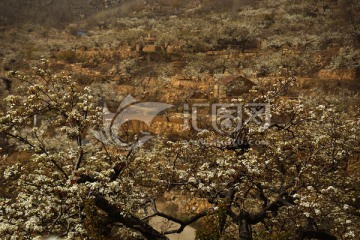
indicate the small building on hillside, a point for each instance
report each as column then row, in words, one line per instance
column 232, row 86
column 147, row 45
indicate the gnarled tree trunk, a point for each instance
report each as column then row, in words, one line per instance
column 245, row 230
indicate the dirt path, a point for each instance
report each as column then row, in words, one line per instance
column 161, row 224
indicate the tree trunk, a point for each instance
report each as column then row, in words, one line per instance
column 243, row 47
column 245, row 231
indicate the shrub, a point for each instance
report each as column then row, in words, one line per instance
column 67, row 56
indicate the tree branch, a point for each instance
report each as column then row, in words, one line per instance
column 315, row 234
column 273, row 207
column 128, row 220
column 182, row 223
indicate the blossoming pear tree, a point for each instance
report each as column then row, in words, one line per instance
column 288, row 177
